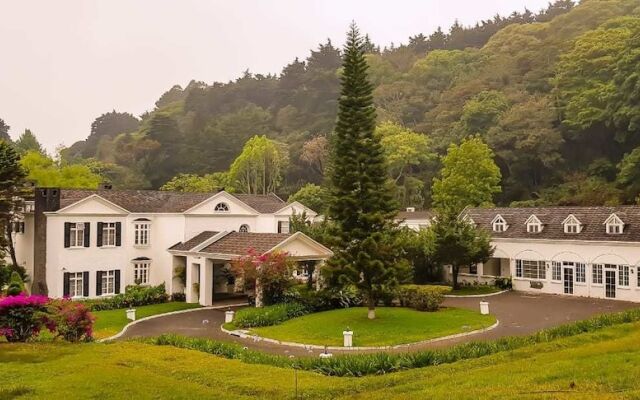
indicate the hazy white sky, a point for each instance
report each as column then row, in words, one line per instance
column 65, row 62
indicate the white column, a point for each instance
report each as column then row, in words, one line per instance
column 192, row 277
column 206, row 283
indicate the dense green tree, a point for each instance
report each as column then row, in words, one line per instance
column 361, row 206
column 483, row 111
column 458, row 243
column 28, row 142
column 469, row 177
column 44, row 171
column 629, row 175
column 12, row 192
column 196, row 183
column 313, row 196
column 260, row 166
column 4, row 131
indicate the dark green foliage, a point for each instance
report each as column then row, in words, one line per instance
column 382, row 363
column 4, row 131
column 12, row 192
column 132, row 297
column 252, row 317
column 422, row 297
column 361, row 207
column 16, row 285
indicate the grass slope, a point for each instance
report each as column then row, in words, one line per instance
column 599, row 365
column 110, row 322
column 393, row 325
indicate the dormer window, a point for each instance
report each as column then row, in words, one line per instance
column 572, row 225
column 221, row 207
column 533, row 224
column 614, row 225
column 499, row 224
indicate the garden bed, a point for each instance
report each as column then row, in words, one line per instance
column 392, row 326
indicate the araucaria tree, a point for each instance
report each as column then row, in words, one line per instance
column 12, row 191
column 361, row 204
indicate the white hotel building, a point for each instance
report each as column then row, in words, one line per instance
column 92, row 243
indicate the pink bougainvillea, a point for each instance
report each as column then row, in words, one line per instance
column 73, row 320
column 272, row 270
column 22, row 317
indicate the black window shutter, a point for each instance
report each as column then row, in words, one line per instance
column 99, row 235
column 98, row 283
column 117, row 280
column 65, row 285
column 87, row 235
column 67, row 234
column 118, row 233
column 85, row 283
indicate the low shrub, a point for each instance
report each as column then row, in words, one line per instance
column 73, row 321
column 23, row 317
column 270, row 315
column 181, row 297
column 324, row 300
column 16, row 285
column 381, row 363
column 503, row 283
column 422, row 297
column 133, row 296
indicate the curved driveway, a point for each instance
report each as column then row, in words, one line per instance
column 519, row 314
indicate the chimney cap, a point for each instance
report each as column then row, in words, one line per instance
column 411, row 209
column 105, row 186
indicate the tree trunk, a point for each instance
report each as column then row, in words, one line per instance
column 372, row 309
column 454, row 271
column 12, row 249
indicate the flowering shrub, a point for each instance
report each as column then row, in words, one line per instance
column 73, row 320
column 272, row 270
column 22, row 317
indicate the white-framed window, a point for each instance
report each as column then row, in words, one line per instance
column 283, row 226
column 596, row 273
column 76, row 235
column 244, row 228
column 142, row 233
column 499, row 224
column 581, row 272
column 623, row 275
column 108, row 282
column 141, row 271
column 556, row 271
column 221, row 207
column 531, row 269
column 109, row 234
column 614, row 225
column 76, row 284
column 572, row 225
column 533, row 224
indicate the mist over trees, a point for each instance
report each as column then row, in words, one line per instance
column 554, row 94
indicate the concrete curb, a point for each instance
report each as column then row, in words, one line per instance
column 469, row 296
column 122, row 332
column 256, row 338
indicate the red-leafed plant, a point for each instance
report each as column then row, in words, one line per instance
column 73, row 320
column 273, row 271
column 23, row 317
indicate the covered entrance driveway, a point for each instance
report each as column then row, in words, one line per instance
column 207, row 259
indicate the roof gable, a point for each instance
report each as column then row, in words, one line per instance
column 571, row 219
column 296, row 208
column 235, row 206
column 613, row 220
column 93, row 204
column 533, row 220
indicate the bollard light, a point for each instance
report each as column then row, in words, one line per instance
column 348, row 338
column 484, row 307
column 131, row 314
column 228, row 316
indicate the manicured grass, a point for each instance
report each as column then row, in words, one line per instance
column 599, row 365
column 110, row 322
column 474, row 290
column 393, row 325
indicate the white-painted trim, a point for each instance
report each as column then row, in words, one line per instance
column 91, row 197
column 219, row 194
column 130, row 324
column 242, row 334
column 453, row 296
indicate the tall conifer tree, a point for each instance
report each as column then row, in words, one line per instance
column 361, row 206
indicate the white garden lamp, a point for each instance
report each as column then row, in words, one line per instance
column 131, row 314
column 347, row 338
column 228, row 316
column 484, row 307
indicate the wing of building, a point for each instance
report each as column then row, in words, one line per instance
column 579, row 251
column 91, row 243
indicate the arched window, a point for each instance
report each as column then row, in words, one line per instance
column 244, row 228
column 221, row 207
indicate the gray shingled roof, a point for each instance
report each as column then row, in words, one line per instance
column 194, row 241
column 157, row 201
column 592, row 219
column 418, row 214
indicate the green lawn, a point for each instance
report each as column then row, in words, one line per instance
column 110, row 322
column 600, row 365
column 393, row 325
column 474, row 290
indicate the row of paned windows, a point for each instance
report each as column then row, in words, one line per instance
column 538, row 270
column 76, row 284
column 78, row 234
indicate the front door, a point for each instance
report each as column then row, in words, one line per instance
column 568, row 280
column 610, row 283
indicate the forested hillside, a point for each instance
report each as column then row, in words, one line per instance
column 555, row 94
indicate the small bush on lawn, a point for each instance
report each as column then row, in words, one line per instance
column 133, row 296
column 269, row 315
column 23, row 317
column 72, row 319
column 324, row 300
column 503, row 283
column 422, row 297
column 381, row 363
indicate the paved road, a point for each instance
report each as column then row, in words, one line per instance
column 519, row 314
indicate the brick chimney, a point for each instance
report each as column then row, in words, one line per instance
column 45, row 199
